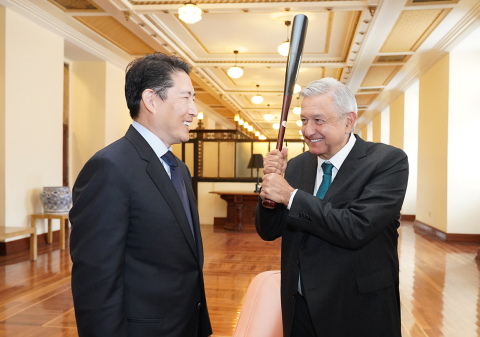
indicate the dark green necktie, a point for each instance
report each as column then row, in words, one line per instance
column 326, row 181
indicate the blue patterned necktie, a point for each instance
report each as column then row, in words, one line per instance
column 326, row 181
column 179, row 184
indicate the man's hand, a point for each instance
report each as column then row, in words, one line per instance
column 276, row 188
column 275, row 162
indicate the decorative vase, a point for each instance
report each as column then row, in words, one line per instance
column 56, row 199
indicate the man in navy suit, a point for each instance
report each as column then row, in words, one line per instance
column 338, row 213
column 135, row 243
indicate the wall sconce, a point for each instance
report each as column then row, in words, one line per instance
column 285, row 47
column 235, row 72
column 257, row 99
column 200, row 121
column 190, row 13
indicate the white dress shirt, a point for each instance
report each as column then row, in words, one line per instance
column 155, row 143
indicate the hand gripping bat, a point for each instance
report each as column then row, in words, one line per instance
column 297, row 41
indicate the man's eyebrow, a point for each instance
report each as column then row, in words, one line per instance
column 187, row 92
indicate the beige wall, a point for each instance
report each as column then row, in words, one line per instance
column 117, row 115
column 377, row 128
column 3, row 14
column 463, row 186
column 88, row 103
column 32, row 112
column 365, row 133
column 99, row 113
column 397, row 109
column 432, row 146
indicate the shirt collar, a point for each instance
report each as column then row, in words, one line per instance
column 155, row 143
column 338, row 159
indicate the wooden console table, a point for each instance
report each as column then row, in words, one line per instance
column 11, row 232
column 60, row 216
column 240, row 208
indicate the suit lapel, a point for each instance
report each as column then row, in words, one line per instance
column 193, row 208
column 305, row 181
column 157, row 173
column 350, row 164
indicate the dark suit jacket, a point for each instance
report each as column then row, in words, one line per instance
column 137, row 270
column 345, row 245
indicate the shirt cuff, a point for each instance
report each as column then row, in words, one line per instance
column 292, row 194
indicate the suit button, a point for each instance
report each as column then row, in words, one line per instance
column 199, row 305
column 293, row 294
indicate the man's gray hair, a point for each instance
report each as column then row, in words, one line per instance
column 343, row 98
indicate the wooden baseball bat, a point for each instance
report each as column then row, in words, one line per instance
column 297, row 40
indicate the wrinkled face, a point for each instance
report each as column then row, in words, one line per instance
column 174, row 114
column 323, row 132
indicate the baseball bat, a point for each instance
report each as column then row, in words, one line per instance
column 297, row 40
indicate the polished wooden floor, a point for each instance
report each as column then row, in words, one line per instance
column 439, row 285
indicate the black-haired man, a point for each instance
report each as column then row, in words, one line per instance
column 135, row 244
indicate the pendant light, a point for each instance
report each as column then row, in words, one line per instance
column 257, row 99
column 235, row 72
column 297, row 110
column 268, row 117
column 190, row 13
column 285, row 47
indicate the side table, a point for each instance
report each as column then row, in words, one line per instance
column 60, row 216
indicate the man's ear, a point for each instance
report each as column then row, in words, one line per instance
column 148, row 100
column 350, row 119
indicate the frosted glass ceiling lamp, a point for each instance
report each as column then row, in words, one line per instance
column 245, row 125
column 235, row 72
column 262, row 137
column 240, row 122
column 297, row 110
column 276, row 126
column 285, row 47
column 190, row 13
column 257, row 99
column 257, row 133
column 299, row 122
column 250, row 128
column 268, row 117
column 296, row 88
column 236, row 118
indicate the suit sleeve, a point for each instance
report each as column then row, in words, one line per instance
column 100, row 218
column 354, row 226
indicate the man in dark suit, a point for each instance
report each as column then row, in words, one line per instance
column 135, row 243
column 338, row 213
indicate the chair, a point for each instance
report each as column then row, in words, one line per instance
column 261, row 313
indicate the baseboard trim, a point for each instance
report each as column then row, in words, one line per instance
column 20, row 245
column 407, row 217
column 441, row 235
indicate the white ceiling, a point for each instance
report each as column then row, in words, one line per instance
column 344, row 40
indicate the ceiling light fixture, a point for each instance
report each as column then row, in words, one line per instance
column 299, row 122
column 257, row 99
column 240, row 122
column 250, row 128
column 190, row 13
column 297, row 110
column 276, row 126
column 257, row 133
column 235, row 72
column 268, row 117
column 296, row 88
column 262, row 137
column 236, row 118
column 285, row 47
column 245, row 125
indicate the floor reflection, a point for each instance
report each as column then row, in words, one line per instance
column 439, row 285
